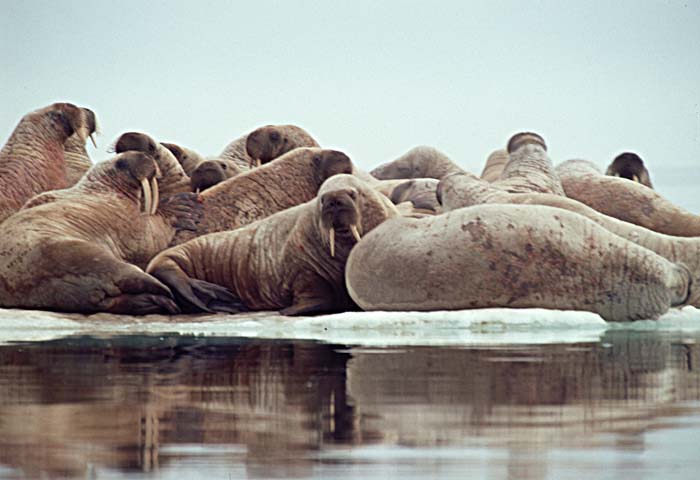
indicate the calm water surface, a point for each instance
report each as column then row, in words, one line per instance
column 178, row 406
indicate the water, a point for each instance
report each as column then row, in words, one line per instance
column 482, row 395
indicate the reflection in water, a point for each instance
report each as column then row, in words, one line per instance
column 141, row 404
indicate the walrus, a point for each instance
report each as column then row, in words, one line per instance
column 528, row 169
column 268, row 143
column 420, row 192
column 630, row 166
column 512, row 256
column 463, row 190
column 173, row 178
column 292, row 261
column 76, row 157
column 495, row 163
column 628, row 201
column 188, row 158
column 419, row 162
column 289, row 180
column 80, row 249
column 32, row 161
column 211, row 172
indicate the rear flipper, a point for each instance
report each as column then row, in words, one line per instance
column 195, row 295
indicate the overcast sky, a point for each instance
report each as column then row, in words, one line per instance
column 373, row 78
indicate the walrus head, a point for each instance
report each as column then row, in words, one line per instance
column 630, row 166
column 328, row 163
column 340, row 217
column 64, row 118
column 266, row 143
column 88, row 127
column 209, row 173
column 176, row 150
column 131, row 173
column 524, row 138
column 139, row 142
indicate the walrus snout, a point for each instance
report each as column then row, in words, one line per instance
column 143, row 170
column 264, row 144
column 340, row 216
column 524, row 138
column 207, row 174
column 630, row 166
column 136, row 141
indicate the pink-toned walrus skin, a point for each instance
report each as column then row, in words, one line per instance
column 32, row 161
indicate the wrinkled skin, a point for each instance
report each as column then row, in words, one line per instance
column 418, row 162
column 75, row 249
column 529, row 168
column 268, row 143
column 495, row 163
column 630, row 166
column 458, row 191
column 511, row 256
column 172, row 177
column 32, row 161
column 284, row 262
column 290, row 180
column 627, row 201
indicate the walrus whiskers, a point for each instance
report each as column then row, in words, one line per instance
column 156, row 195
column 147, row 198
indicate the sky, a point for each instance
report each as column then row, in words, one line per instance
column 372, row 78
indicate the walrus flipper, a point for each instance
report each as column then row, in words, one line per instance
column 199, row 295
column 141, row 304
column 183, row 210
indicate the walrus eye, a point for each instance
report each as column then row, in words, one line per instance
column 122, row 164
column 352, row 194
column 275, row 136
column 223, row 166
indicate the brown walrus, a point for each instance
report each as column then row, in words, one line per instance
column 32, row 161
column 76, row 157
column 512, row 256
column 188, row 158
column 211, row 172
column 630, row 166
column 293, row 178
column 293, row 260
column 418, row 162
column 628, row 201
column 463, row 190
column 495, row 163
column 74, row 250
column 266, row 144
column 172, row 178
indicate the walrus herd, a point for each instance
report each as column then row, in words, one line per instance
column 278, row 222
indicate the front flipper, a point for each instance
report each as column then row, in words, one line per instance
column 312, row 296
column 198, row 295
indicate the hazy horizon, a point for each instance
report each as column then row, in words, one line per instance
column 370, row 78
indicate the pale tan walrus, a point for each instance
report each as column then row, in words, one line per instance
column 293, row 260
column 495, row 163
column 420, row 192
column 464, row 190
column 529, row 168
column 264, row 144
column 512, row 256
column 418, row 162
column 293, row 178
column 32, row 161
column 73, row 250
column 628, row 201
column 629, row 165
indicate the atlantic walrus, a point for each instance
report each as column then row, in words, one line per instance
column 172, row 178
column 463, row 190
column 75, row 250
column 293, row 260
column 76, row 157
column 211, row 172
column 267, row 143
column 628, row 201
column 420, row 192
column 629, row 165
column 529, row 168
column 32, row 161
column 418, row 162
column 291, row 179
column 495, row 163
column 512, row 256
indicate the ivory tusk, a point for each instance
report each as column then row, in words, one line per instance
column 617, row 174
column 92, row 138
column 147, row 199
column 156, row 195
column 355, row 232
column 636, row 178
column 197, row 191
column 331, row 234
column 257, row 162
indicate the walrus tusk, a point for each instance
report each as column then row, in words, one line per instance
column 636, row 178
column 355, row 232
column 156, row 195
column 197, row 191
column 92, row 138
column 617, row 174
column 147, row 199
column 331, row 234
